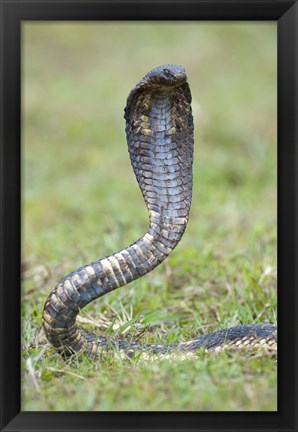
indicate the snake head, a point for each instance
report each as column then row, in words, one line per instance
column 160, row 79
column 166, row 76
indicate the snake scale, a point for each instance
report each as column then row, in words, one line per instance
column 159, row 131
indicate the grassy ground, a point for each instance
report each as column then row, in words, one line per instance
column 81, row 202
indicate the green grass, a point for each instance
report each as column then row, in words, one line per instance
column 81, row 202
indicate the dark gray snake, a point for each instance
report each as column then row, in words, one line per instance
column 159, row 131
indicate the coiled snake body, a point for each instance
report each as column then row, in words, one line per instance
column 159, row 131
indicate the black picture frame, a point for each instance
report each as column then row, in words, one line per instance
column 285, row 12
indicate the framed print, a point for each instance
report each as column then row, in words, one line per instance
column 113, row 112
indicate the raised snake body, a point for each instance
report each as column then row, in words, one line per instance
column 159, row 131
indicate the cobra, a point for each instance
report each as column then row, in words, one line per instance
column 159, row 132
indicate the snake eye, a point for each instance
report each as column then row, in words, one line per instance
column 167, row 73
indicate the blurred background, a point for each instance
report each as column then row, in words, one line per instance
column 81, row 200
